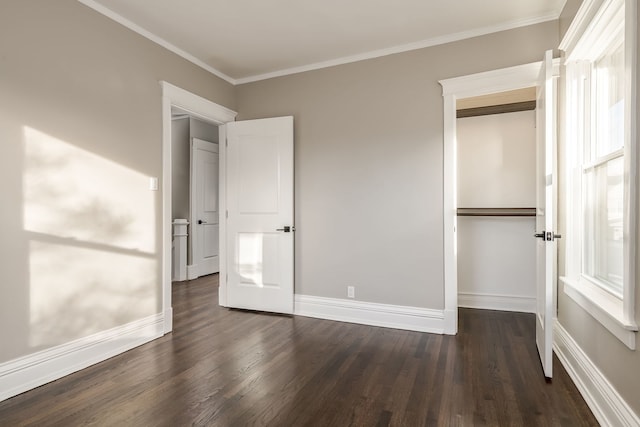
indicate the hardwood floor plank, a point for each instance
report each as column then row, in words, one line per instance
column 223, row 367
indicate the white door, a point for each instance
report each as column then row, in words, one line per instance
column 204, row 207
column 259, row 227
column 546, row 192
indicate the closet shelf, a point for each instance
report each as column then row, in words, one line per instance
column 496, row 211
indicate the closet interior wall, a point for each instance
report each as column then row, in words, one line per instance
column 496, row 161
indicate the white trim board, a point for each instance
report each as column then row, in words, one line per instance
column 378, row 53
column 434, row 41
column 154, row 38
column 34, row 370
column 609, row 408
column 518, row 77
column 497, row 302
column 193, row 271
column 372, row 314
column 196, row 106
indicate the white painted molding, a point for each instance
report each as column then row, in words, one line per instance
column 34, row 370
column 609, row 315
column 197, row 106
column 497, row 302
column 603, row 27
column 168, row 320
column 504, row 79
column 435, row 41
column 192, row 271
column 318, row 65
column 450, row 218
column 583, row 17
column 368, row 313
column 511, row 78
column 179, row 263
column 173, row 96
column 154, row 38
column 609, row 408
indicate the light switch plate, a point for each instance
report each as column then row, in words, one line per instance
column 153, row 183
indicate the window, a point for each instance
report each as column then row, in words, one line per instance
column 603, row 173
column 600, row 203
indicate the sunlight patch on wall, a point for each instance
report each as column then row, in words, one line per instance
column 70, row 192
column 91, row 228
column 76, row 291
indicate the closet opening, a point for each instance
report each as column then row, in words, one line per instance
column 496, row 199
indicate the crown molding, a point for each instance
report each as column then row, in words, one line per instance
column 156, row 39
column 583, row 17
column 435, row 41
column 323, row 64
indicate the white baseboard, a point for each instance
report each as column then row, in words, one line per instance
column 605, row 402
column 373, row 314
column 450, row 322
column 34, row 370
column 193, row 271
column 167, row 324
column 497, row 302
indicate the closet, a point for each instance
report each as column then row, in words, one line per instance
column 496, row 197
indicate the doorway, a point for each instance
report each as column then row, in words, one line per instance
column 194, row 195
column 496, row 199
column 176, row 99
column 454, row 89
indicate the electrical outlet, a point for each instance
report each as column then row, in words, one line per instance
column 351, row 291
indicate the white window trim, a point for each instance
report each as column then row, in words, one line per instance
column 604, row 307
column 615, row 314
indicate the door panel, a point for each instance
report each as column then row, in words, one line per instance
column 259, row 171
column 546, row 196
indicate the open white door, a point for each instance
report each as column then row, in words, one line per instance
column 546, row 194
column 204, row 207
column 259, row 226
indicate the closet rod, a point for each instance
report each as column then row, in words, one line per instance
column 496, row 211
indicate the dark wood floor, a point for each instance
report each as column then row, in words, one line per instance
column 224, row 367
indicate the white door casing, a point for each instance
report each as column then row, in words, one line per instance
column 195, row 106
column 204, row 207
column 259, row 203
column 546, row 210
column 488, row 82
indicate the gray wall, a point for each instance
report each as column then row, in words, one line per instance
column 368, row 159
column 620, row 365
column 183, row 129
column 203, row 130
column 81, row 132
column 180, row 168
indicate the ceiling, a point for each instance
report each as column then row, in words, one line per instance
column 248, row 40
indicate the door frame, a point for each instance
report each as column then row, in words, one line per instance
column 501, row 80
column 195, row 106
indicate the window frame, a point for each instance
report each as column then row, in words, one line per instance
column 599, row 36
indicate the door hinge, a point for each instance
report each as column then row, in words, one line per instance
column 226, row 142
column 226, row 215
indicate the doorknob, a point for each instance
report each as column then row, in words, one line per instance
column 202, row 222
column 548, row 236
column 286, row 229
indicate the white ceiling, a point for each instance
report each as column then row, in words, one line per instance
column 247, row 40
